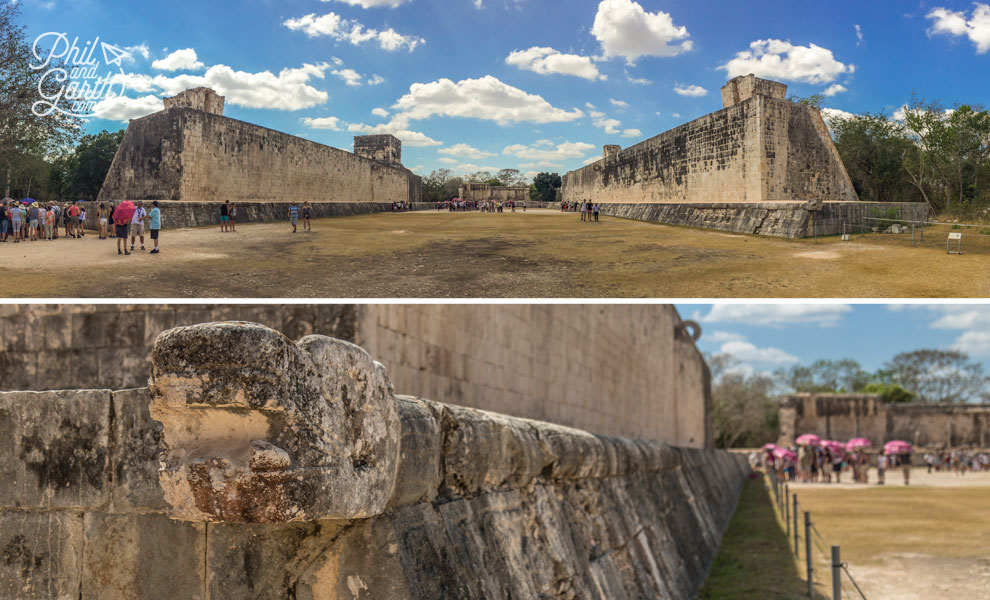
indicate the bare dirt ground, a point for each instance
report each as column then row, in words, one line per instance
column 925, row 541
column 537, row 254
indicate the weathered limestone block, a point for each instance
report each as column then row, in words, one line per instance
column 419, row 475
column 139, row 442
column 264, row 430
column 125, row 555
column 40, row 555
column 54, row 449
column 486, row 451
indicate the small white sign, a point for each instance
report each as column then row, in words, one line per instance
column 955, row 236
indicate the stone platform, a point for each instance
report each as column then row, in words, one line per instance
column 778, row 219
column 200, row 214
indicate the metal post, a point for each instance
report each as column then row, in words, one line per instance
column 787, row 508
column 836, row 574
column 912, row 235
column 794, row 513
column 807, row 553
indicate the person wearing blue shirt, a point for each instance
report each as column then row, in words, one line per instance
column 155, row 224
column 294, row 216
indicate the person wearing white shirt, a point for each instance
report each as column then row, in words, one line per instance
column 137, row 224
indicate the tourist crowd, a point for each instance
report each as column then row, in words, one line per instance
column 958, row 461
column 819, row 464
column 588, row 210
column 485, row 206
column 30, row 221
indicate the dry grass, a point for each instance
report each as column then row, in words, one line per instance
column 920, row 542
column 539, row 254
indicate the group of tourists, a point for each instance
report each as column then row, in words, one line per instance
column 589, row 210
column 35, row 221
column 959, row 461
column 818, row 462
column 26, row 221
column 228, row 216
column 485, row 206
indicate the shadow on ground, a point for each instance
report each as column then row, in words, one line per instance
column 755, row 560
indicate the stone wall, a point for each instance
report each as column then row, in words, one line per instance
column 759, row 150
column 482, row 192
column 182, row 154
column 480, row 506
column 844, row 416
column 610, row 369
column 201, row 214
column 778, row 219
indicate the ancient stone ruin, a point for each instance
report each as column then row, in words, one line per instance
column 845, row 416
column 258, row 467
column 483, row 192
column 190, row 153
column 760, row 165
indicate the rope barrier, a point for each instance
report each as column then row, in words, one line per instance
column 845, row 568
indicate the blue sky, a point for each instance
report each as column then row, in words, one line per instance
column 529, row 84
column 764, row 337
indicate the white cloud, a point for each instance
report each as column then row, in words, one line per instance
column 859, row 34
column 723, row 336
column 831, row 115
column 486, row 98
column 371, row 3
column 396, row 127
column 376, row 80
column 447, row 160
column 540, row 152
column 624, row 29
column 547, row 61
column 289, row 90
column 631, row 133
column 962, row 317
column 976, row 27
column 834, row 89
column 466, row 151
column 610, row 126
column 546, row 164
column 638, row 80
column 353, row 32
column 974, row 343
column 350, row 76
column 618, row 103
column 675, row 115
column 380, row 112
column 776, row 315
column 331, row 123
column 694, row 91
column 748, row 353
column 122, row 108
column 783, row 61
column 478, row 4
column 180, row 60
column 592, row 160
column 141, row 50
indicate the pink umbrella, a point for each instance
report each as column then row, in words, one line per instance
column 858, row 443
column 897, row 447
column 769, row 446
column 833, row 446
column 808, row 439
column 784, row 453
column 125, row 210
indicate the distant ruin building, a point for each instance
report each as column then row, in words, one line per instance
column 190, row 152
column 762, row 164
column 483, row 192
column 845, row 416
column 200, row 98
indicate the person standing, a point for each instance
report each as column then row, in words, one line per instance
column 101, row 217
column 120, row 226
column 881, row 467
column 15, row 222
column 224, row 215
column 33, row 222
column 233, row 216
column 307, row 213
column 154, row 224
column 596, row 210
column 905, row 460
column 81, row 228
column 50, row 228
column 137, row 224
column 4, row 223
column 294, row 216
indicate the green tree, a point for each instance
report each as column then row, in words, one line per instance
column 873, row 150
column 26, row 137
column 92, row 161
column 744, row 411
column 823, row 375
column 938, row 376
column 510, row 177
column 890, row 393
column 433, row 185
column 547, row 185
